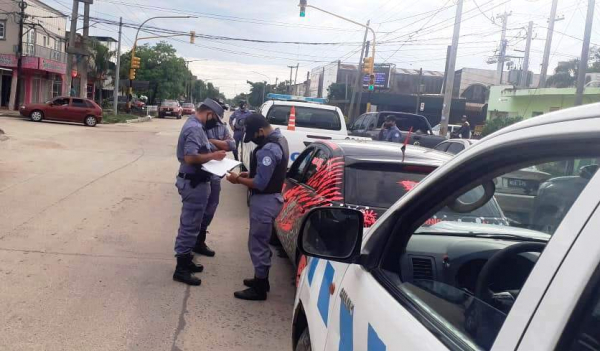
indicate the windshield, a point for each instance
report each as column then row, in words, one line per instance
column 306, row 117
column 170, row 103
column 188, row 105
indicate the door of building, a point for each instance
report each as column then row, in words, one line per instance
column 5, row 92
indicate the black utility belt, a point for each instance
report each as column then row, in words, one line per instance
column 195, row 178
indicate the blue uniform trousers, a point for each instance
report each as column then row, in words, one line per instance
column 264, row 208
column 192, row 212
column 212, row 204
column 237, row 136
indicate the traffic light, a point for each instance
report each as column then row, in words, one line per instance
column 135, row 62
column 192, row 37
column 132, row 74
column 372, row 82
column 302, row 8
column 368, row 65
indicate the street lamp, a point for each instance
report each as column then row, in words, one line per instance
column 133, row 63
column 265, row 84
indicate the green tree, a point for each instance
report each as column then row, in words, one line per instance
column 257, row 89
column 103, row 67
column 565, row 74
column 498, row 123
column 337, row 91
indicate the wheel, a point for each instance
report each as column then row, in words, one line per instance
column 248, row 195
column 36, row 116
column 304, row 342
column 178, row 116
column 90, row 121
column 161, row 116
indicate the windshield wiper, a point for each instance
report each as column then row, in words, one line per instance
column 507, row 236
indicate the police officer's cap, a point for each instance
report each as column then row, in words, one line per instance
column 253, row 123
column 215, row 107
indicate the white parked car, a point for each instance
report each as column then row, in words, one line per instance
column 451, row 129
column 418, row 280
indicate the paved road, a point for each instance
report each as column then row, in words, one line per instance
column 87, row 222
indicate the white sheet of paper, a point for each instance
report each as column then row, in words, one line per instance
column 220, row 168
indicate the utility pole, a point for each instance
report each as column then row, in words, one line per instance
column 84, row 60
column 72, row 32
column 307, row 87
column 451, row 68
column 585, row 53
column 22, row 6
column 444, row 82
column 548, row 46
column 419, row 91
column 291, row 72
column 525, row 71
column 296, row 77
column 503, row 43
column 360, row 87
column 359, row 75
column 117, row 73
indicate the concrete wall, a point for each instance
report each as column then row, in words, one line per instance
column 510, row 102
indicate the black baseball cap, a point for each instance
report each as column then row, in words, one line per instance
column 253, row 123
column 215, row 107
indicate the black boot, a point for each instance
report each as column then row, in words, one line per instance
column 195, row 267
column 201, row 248
column 183, row 273
column 250, row 283
column 258, row 292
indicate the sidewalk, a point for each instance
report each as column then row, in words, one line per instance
column 9, row 113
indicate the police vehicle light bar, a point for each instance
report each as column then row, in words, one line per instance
column 286, row 97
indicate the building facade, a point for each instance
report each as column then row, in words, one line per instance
column 44, row 57
column 507, row 101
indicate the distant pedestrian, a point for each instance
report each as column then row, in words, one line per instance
column 389, row 131
column 220, row 139
column 268, row 168
column 194, row 149
column 236, row 122
column 464, row 132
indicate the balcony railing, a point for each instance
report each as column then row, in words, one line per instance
column 43, row 52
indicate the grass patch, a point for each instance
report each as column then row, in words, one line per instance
column 109, row 118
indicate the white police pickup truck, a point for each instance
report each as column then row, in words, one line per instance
column 314, row 121
column 421, row 280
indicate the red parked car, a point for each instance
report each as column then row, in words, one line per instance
column 65, row 108
column 188, row 109
column 170, row 108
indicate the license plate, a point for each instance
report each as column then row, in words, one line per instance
column 517, row 183
column 167, row 113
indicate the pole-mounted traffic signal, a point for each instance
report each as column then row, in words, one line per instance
column 302, row 8
column 132, row 74
column 135, row 62
column 372, row 82
column 192, row 37
column 368, row 65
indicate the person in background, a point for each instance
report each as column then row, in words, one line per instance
column 236, row 122
column 268, row 169
column 389, row 131
column 193, row 150
column 464, row 132
column 220, row 139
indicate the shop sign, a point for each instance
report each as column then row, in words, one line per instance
column 29, row 62
column 8, row 60
column 53, row 66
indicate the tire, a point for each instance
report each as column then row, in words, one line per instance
column 90, row 121
column 248, row 195
column 36, row 116
column 304, row 342
column 178, row 116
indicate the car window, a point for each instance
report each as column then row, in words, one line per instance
column 455, row 148
column 89, row 104
column 319, row 158
column 380, row 185
column 61, row 101
column 405, row 122
column 307, row 117
column 456, row 267
column 299, row 166
column 442, row 146
column 360, row 122
column 79, row 103
column 170, row 103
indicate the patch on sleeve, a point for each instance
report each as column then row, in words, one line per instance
column 267, row 161
column 397, row 135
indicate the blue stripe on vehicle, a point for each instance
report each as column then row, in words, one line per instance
column 346, row 327
column 312, row 268
column 374, row 343
column 323, row 301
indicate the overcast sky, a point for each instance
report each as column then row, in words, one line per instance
column 412, row 34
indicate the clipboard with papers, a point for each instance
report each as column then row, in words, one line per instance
column 220, row 168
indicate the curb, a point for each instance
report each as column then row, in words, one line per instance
column 140, row 120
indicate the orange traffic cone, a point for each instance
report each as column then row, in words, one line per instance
column 292, row 120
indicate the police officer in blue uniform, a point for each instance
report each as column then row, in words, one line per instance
column 193, row 184
column 389, row 131
column 268, row 168
column 236, row 122
column 220, row 139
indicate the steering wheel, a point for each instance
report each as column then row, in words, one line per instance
column 480, row 321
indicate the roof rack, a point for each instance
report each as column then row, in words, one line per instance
column 286, row 97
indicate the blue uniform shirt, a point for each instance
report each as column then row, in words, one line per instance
column 267, row 159
column 220, row 132
column 238, row 115
column 392, row 135
column 192, row 141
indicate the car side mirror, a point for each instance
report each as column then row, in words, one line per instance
column 588, row 171
column 474, row 198
column 332, row 233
